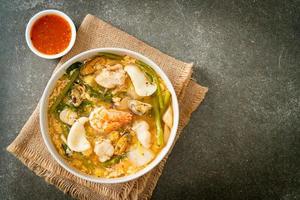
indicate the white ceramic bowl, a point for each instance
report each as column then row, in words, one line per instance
column 41, row 14
column 44, row 110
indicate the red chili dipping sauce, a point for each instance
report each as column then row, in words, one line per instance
column 51, row 34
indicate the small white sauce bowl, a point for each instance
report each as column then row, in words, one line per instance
column 44, row 113
column 38, row 16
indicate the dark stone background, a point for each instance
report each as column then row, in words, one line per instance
column 244, row 140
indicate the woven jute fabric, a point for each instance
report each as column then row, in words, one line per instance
column 31, row 150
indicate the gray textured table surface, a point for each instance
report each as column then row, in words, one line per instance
column 242, row 143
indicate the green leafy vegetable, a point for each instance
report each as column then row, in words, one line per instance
column 86, row 103
column 114, row 160
column 73, row 76
column 159, row 94
column 84, row 108
column 64, row 146
column 66, row 149
column 65, row 129
column 75, row 65
column 103, row 96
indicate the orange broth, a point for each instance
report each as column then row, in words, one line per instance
column 51, row 34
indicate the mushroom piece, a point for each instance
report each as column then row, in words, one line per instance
column 138, row 107
column 141, row 84
column 111, row 78
column 76, row 140
column 141, row 128
column 168, row 117
column 77, row 95
column 68, row 116
column 104, row 150
column 140, row 156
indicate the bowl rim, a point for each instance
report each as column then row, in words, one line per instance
column 37, row 16
column 44, row 114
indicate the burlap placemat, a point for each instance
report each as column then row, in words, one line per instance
column 29, row 146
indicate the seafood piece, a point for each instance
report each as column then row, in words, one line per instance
column 138, row 107
column 111, row 78
column 92, row 65
column 76, row 140
column 77, row 95
column 122, row 144
column 104, row 150
column 68, row 116
column 107, row 120
column 141, row 128
column 141, row 84
column 168, row 117
column 140, row 156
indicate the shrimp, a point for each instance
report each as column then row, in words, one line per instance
column 106, row 120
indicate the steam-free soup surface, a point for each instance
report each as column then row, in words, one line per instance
column 110, row 115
